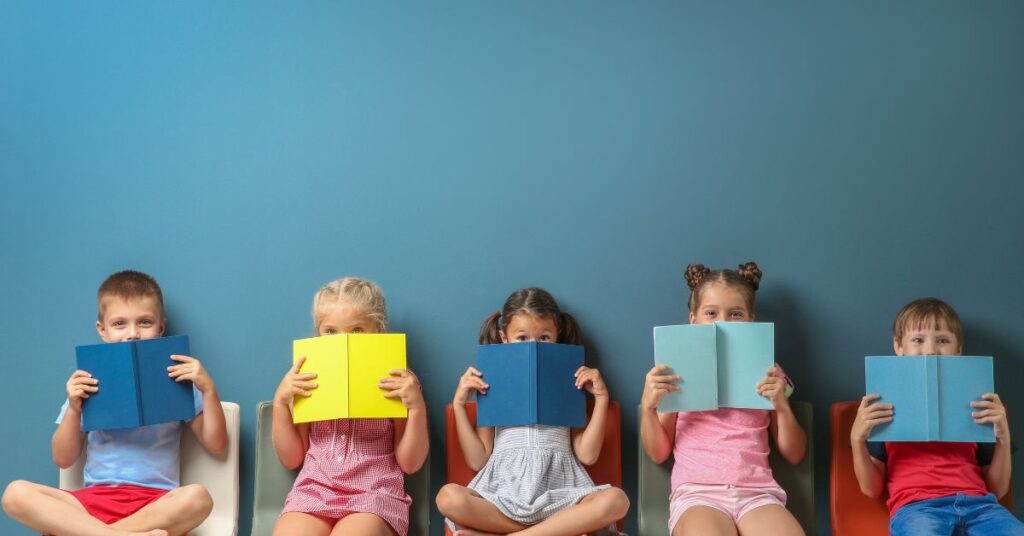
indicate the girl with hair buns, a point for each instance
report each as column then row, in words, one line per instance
column 351, row 480
column 529, row 478
column 721, row 481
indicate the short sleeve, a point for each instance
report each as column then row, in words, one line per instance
column 197, row 401
column 877, row 451
column 63, row 411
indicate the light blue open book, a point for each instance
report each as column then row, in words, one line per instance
column 720, row 364
column 931, row 396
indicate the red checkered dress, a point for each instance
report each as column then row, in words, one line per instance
column 350, row 467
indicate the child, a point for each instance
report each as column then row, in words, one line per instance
column 721, row 481
column 935, row 487
column 351, row 480
column 529, row 479
column 131, row 475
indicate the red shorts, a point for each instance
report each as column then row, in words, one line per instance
column 110, row 504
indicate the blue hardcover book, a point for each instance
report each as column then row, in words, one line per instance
column 720, row 364
column 931, row 396
column 134, row 389
column 530, row 383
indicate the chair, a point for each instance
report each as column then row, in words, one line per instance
column 798, row 481
column 218, row 475
column 854, row 513
column 274, row 481
column 606, row 470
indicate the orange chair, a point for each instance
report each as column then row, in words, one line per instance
column 607, row 469
column 854, row 513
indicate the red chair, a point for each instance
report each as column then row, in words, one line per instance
column 853, row 513
column 607, row 469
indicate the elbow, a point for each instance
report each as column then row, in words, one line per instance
column 291, row 464
column 795, row 456
column 410, row 466
column 62, row 462
column 588, row 458
column 873, row 492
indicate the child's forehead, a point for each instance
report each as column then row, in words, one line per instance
column 130, row 305
column 926, row 323
column 342, row 312
column 525, row 320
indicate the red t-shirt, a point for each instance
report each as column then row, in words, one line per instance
column 917, row 471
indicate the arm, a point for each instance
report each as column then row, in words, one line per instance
column 870, row 471
column 209, row 426
column 587, row 443
column 789, row 436
column 657, row 430
column 476, row 443
column 411, row 437
column 291, row 440
column 996, row 474
column 67, row 440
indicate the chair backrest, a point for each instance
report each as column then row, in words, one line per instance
column 219, row 475
column 274, row 481
column 606, row 470
column 854, row 513
column 797, row 480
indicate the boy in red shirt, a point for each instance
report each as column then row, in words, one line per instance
column 935, row 488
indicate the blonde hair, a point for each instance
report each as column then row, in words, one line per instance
column 353, row 292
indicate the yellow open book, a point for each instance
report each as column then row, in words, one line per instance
column 348, row 367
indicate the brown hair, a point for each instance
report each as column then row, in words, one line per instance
column 746, row 278
column 127, row 285
column 930, row 312
column 536, row 302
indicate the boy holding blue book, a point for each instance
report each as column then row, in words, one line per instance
column 936, row 488
column 131, row 474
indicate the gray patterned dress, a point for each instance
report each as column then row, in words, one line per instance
column 532, row 474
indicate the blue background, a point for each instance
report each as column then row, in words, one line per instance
column 864, row 153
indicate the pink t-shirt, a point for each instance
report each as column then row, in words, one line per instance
column 722, row 446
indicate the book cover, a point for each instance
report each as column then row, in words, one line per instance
column 134, row 388
column 720, row 364
column 530, row 383
column 349, row 368
column 931, row 396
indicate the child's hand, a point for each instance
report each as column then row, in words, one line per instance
column 294, row 384
column 869, row 415
column 405, row 385
column 991, row 410
column 773, row 387
column 657, row 384
column 79, row 385
column 190, row 369
column 590, row 378
column 469, row 382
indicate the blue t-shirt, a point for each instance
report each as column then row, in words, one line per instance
column 145, row 456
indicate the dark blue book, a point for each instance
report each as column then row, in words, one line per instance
column 530, row 383
column 134, row 389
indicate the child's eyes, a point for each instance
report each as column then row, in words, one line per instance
column 357, row 330
column 545, row 338
column 709, row 313
column 917, row 340
column 330, row 331
column 146, row 323
column 737, row 314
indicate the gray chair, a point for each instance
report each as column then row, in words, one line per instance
column 797, row 480
column 274, row 481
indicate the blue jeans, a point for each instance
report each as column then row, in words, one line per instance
column 955, row 515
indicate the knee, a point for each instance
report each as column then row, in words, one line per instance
column 16, row 496
column 197, row 502
column 615, row 502
column 451, row 499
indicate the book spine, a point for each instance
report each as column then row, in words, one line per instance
column 933, row 409
column 138, row 385
column 534, row 397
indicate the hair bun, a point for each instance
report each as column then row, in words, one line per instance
column 750, row 272
column 695, row 273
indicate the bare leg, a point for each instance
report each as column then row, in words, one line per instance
column 593, row 512
column 363, row 525
column 701, row 520
column 179, row 511
column 770, row 519
column 53, row 511
column 468, row 509
column 298, row 523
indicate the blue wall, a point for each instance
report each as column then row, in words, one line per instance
column 865, row 153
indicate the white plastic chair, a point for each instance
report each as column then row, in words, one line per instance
column 218, row 476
